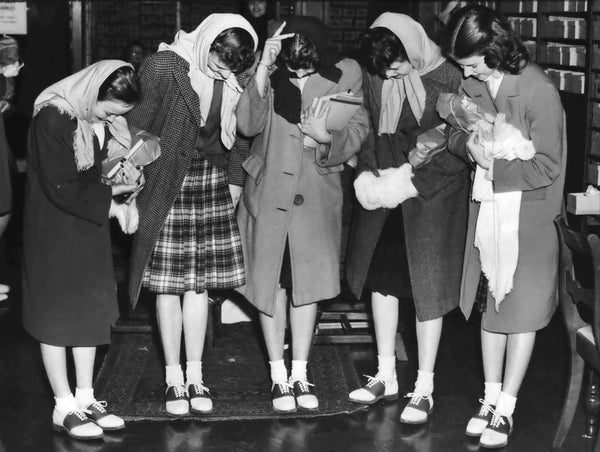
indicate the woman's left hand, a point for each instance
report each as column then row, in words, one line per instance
column 236, row 193
column 315, row 126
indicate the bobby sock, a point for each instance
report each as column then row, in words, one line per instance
column 84, row 396
column 193, row 372
column 298, row 370
column 506, row 404
column 386, row 367
column 174, row 375
column 278, row 371
column 492, row 391
column 424, row 383
column 66, row 404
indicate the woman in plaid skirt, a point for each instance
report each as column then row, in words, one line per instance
column 188, row 240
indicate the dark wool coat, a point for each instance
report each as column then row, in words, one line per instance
column 532, row 104
column 69, row 289
column 169, row 109
column 435, row 221
column 296, row 193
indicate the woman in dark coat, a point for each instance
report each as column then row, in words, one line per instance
column 187, row 240
column 69, row 288
column 291, row 215
column 416, row 248
column 522, row 292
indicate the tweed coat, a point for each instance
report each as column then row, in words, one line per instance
column 169, row 109
column 294, row 193
column 532, row 104
column 434, row 221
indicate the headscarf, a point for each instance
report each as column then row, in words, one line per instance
column 423, row 54
column 76, row 96
column 194, row 47
column 287, row 99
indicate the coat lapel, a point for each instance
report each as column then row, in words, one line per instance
column 478, row 91
column 316, row 86
column 188, row 93
column 508, row 100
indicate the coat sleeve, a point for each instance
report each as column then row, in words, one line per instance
column 445, row 166
column 154, row 86
column 77, row 193
column 253, row 110
column 367, row 159
column 347, row 142
column 545, row 120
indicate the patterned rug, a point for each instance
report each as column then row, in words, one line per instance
column 131, row 379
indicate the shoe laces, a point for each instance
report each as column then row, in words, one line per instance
column 179, row 391
column 372, row 381
column 81, row 414
column 284, row 387
column 485, row 408
column 415, row 398
column 100, row 405
column 304, row 385
column 497, row 419
column 200, row 388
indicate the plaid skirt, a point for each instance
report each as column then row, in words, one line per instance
column 199, row 246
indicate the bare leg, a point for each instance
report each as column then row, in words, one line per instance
column 273, row 328
column 518, row 353
column 493, row 348
column 302, row 321
column 83, row 358
column 195, row 317
column 169, row 317
column 55, row 363
column 385, row 319
column 428, row 340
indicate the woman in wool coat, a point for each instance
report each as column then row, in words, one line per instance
column 290, row 218
column 414, row 250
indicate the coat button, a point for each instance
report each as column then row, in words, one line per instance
column 298, row 200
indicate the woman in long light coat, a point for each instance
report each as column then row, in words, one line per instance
column 290, row 217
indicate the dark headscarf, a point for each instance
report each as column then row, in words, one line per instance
column 287, row 99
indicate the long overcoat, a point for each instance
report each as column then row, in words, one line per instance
column 169, row 109
column 532, row 104
column 434, row 221
column 294, row 193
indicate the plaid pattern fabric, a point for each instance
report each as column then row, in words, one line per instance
column 482, row 294
column 199, row 246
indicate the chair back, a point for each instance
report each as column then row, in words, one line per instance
column 579, row 278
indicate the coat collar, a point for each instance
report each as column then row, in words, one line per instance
column 316, row 86
column 507, row 93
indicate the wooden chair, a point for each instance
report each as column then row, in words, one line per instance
column 579, row 293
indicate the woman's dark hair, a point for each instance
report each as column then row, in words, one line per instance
column 235, row 48
column 123, row 85
column 378, row 48
column 299, row 52
column 477, row 30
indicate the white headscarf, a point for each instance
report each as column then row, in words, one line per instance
column 423, row 54
column 76, row 96
column 194, row 48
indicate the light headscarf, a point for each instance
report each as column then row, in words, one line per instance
column 194, row 48
column 76, row 96
column 423, row 54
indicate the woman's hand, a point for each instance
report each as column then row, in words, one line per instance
column 4, row 289
column 268, row 57
column 129, row 179
column 236, row 193
column 476, row 150
column 315, row 126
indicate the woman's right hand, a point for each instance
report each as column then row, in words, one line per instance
column 476, row 150
column 130, row 178
column 273, row 46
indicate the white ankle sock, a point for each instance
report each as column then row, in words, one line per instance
column 66, row 404
column 386, row 367
column 84, row 396
column 278, row 371
column 193, row 372
column 492, row 391
column 506, row 404
column 424, row 383
column 299, row 370
column 174, row 375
